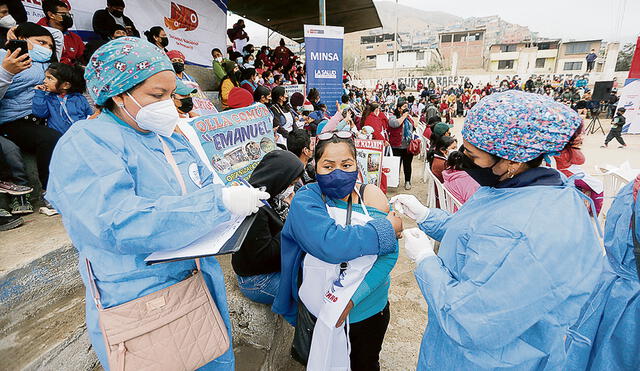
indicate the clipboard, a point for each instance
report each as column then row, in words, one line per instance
column 232, row 245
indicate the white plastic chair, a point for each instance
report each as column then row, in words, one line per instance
column 612, row 184
column 437, row 191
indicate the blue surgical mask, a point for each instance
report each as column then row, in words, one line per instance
column 40, row 54
column 271, row 80
column 239, row 60
column 337, row 184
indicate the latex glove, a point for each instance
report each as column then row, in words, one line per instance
column 241, row 200
column 410, row 206
column 417, row 244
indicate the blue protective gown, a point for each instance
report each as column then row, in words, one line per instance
column 515, row 267
column 607, row 335
column 120, row 201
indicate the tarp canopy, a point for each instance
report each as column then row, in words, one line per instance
column 288, row 17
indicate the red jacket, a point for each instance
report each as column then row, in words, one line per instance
column 380, row 125
column 73, row 45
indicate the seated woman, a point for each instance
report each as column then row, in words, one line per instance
column 257, row 263
column 229, row 82
column 339, row 238
column 250, row 79
column 457, row 181
column 437, row 155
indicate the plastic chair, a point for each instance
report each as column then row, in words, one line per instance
column 437, row 191
column 612, row 184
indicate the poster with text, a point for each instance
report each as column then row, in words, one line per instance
column 236, row 140
column 193, row 27
column 323, row 45
column 296, row 88
column 630, row 100
column 369, row 159
column 201, row 103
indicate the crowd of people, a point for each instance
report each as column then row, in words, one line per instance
column 129, row 177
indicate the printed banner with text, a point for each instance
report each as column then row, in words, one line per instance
column 630, row 100
column 236, row 140
column 369, row 159
column 194, row 27
column 323, row 45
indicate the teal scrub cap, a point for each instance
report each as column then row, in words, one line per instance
column 121, row 64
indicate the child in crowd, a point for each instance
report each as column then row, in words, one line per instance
column 437, row 155
column 617, row 124
column 461, row 185
column 59, row 99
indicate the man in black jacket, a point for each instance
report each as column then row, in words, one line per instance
column 105, row 20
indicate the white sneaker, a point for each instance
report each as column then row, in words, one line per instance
column 407, row 186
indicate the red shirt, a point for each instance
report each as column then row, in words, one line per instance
column 437, row 167
column 73, row 45
column 380, row 125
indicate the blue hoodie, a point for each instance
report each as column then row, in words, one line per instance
column 59, row 111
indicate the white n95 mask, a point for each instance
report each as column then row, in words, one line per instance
column 160, row 117
column 7, row 21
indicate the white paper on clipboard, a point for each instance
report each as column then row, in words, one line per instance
column 209, row 244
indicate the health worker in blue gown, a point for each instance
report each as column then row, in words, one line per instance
column 519, row 259
column 120, row 198
column 607, row 335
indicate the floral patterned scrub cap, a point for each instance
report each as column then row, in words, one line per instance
column 122, row 64
column 520, row 126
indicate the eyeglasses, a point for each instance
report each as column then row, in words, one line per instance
column 339, row 134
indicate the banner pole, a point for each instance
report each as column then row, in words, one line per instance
column 323, row 12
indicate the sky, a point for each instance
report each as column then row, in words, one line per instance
column 566, row 19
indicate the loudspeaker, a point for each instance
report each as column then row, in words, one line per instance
column 602, row 90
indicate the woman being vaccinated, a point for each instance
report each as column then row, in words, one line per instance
column 338, row 247
column 520, row 258
column 127, row 185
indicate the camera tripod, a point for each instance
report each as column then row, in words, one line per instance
column 595, row 119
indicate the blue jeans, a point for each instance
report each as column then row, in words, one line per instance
column 261, row 288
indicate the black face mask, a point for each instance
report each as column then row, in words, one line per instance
column 186, row 104
column 483, row 175
column 67, row 22
column 178, row 67
column 116, row 13
column 164, row 41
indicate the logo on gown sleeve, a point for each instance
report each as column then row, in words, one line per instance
column 194, row 174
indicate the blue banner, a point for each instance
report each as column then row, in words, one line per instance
column 323, row 45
